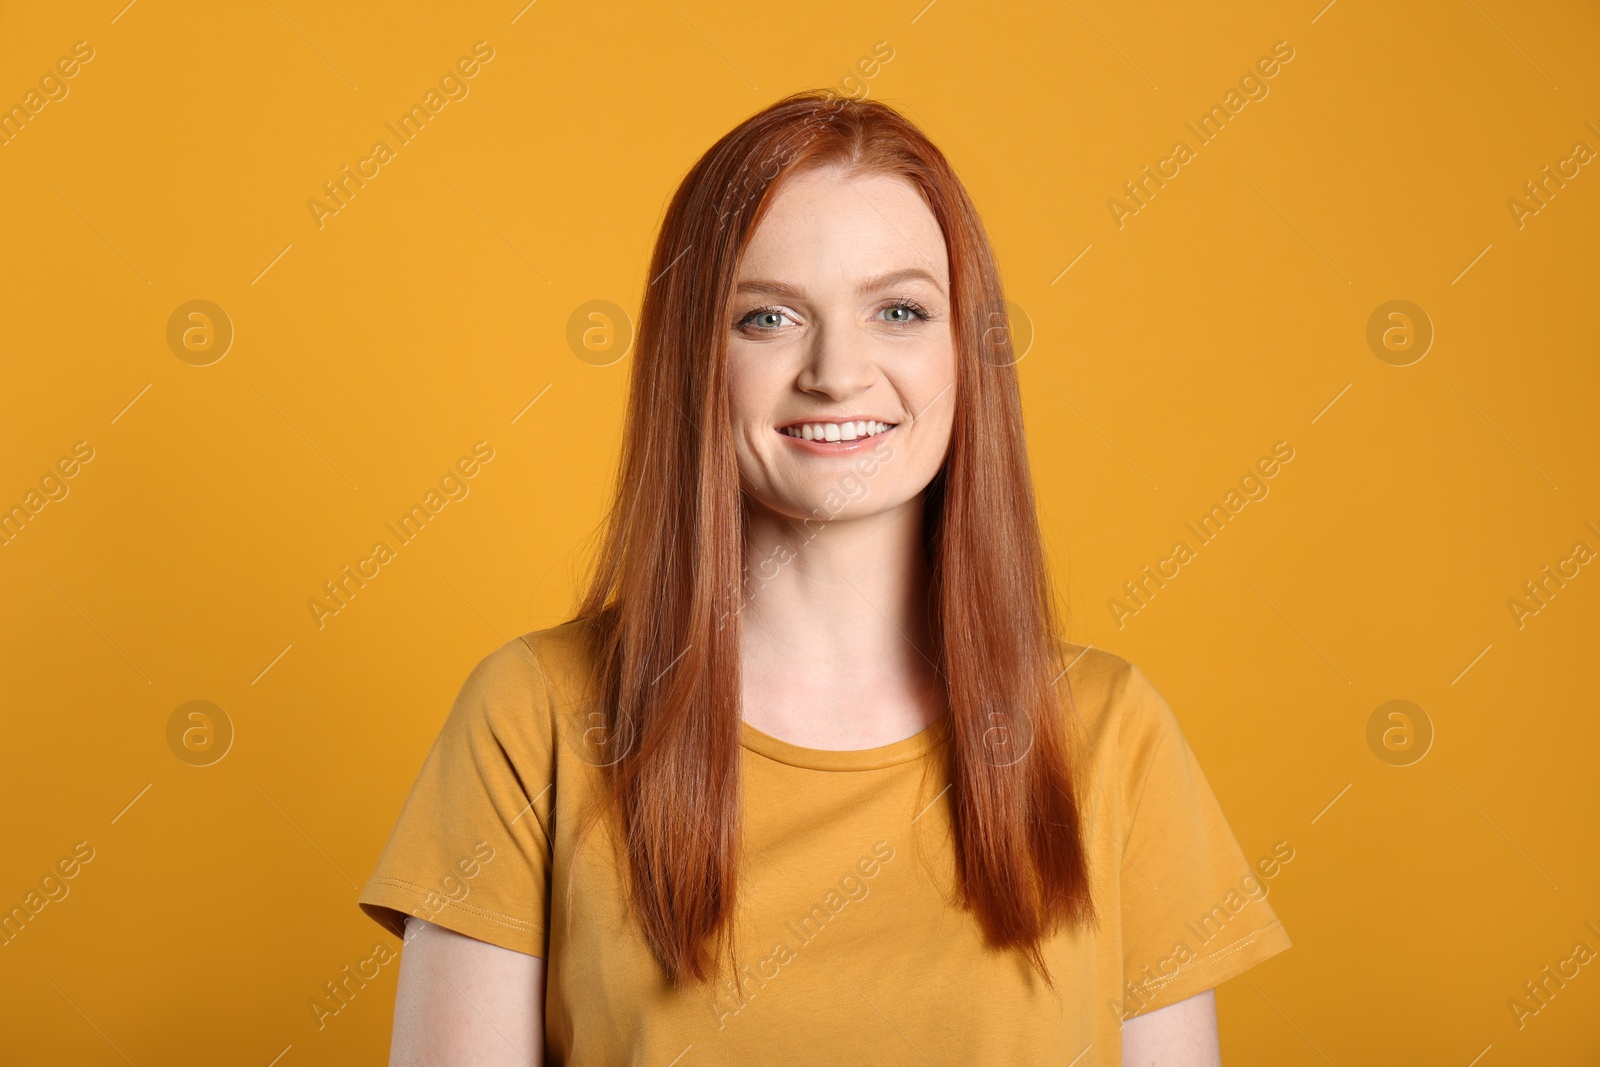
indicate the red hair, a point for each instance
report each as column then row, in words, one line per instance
column 662, row 604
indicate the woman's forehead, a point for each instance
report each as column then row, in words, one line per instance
column 826, row 227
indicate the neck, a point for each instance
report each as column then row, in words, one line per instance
column 837, row 607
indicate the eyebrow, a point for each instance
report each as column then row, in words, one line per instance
column 873, row 284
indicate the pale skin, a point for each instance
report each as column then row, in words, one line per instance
column 841, row 308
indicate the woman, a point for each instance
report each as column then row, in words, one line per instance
column 811, row 775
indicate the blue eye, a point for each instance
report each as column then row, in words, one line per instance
column 763, row 319
column 910, row 306
column 771, row 319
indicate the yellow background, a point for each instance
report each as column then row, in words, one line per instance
column 371, row 353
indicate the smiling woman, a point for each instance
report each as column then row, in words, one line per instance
column 676, row 775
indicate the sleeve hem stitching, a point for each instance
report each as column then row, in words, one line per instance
column 520, row 925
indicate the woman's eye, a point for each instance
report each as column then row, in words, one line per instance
column 764, row 318
column 904, row 312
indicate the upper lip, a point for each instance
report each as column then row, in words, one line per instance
column 839, row 419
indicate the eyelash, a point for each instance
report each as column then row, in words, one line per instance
column 910, row 305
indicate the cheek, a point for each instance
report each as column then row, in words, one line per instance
column 927, row 386
column 749, row 394
column 755, row 386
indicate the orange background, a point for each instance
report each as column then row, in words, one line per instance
column 370, row 354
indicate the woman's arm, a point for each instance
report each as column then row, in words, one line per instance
column 464, row 1001
column 1179, row 1035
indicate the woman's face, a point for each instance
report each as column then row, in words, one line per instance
column 841, row 315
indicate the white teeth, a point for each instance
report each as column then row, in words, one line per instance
column 837, row 431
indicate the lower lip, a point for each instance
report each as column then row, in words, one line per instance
column 835, row 448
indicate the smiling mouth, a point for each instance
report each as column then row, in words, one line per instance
column 837, row 431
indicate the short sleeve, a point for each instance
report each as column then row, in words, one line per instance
column 1194, row 909
column 471, row 849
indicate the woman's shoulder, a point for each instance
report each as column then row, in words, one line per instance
column 1113, row 699
column 527, row 684
column 538, row 659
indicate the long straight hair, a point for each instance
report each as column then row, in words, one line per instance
column 663, row 597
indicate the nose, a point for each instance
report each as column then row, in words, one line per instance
column 837, row 365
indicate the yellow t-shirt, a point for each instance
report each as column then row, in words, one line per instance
column 849, row 948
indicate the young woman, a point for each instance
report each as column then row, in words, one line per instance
column 811, row 776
